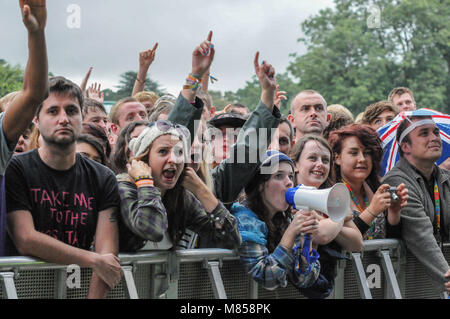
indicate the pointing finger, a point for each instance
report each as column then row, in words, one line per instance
column 256, row 60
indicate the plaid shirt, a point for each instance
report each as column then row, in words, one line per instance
column 144, row 213
column 271, row 270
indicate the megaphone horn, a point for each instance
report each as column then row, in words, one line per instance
column 333, row 201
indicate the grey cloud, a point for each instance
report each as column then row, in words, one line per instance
column 113, row 32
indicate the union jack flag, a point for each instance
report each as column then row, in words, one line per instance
column 388, row 133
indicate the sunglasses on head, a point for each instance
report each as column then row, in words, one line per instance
column 165, row 126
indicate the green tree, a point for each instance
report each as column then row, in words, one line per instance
column 11, row 78
column 125, row 87
column 355, row 60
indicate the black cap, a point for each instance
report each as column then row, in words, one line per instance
column 229, row 119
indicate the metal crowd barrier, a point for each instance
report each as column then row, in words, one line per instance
column 384, row 269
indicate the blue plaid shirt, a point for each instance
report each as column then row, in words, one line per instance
column 271, row 270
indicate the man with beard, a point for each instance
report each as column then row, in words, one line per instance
column 425, row 221
column 61, row 206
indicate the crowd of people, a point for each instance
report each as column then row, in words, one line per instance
column 80, row 184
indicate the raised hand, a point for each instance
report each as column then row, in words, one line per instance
column 381, row 200
column 95, row 93
column 266, row 74
column 394, row 211
column 34, row 14
column 147, row 57
column 279, row 95
column 138, row 168
column 85, row 81
column 191, row 180
column 203, row 56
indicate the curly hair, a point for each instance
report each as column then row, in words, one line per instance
column 375, row 109
column 369, row 139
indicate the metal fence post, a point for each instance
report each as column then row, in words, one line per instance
column 60, row 284
column 129, row 280
column 361, row 277
column 8, row 286
column 215, row 278
column 391, row 279
column 339, row 286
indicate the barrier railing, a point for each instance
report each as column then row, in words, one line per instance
column 217, row 273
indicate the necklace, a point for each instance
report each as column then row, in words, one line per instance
column 370, row 232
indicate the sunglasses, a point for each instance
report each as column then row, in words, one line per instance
column 165, row 126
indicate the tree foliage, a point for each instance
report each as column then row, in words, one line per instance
column 11, row 78
column 355, row 60
column 125, row 87
column 358, row 51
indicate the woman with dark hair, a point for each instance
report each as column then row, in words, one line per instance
column 272, row 238
column 121, row 155
column 90, row 147
column 160, row 198
column 97, row 132
column 357, row 153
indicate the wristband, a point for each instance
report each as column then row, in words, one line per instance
column 144, row 182
column 192, row 82
column 142, row 177
column 368, row 210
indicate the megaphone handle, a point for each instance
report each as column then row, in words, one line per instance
column 306, row 250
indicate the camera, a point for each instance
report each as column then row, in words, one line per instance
column 393, row 191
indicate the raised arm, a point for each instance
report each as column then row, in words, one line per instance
column 146, row 58
column 232, row 175
column 35, row 83
column 202, row 58
column 83, row 84
column 266, row 75
column 188, row 108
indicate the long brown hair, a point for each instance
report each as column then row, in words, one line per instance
column 253, row 200
column 174, row 201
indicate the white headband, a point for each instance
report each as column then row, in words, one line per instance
column 413, row 126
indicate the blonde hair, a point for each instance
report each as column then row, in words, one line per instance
column 145, row 96
column 114, row 112
column 400, row 91
column 337, row 108
column 359, row 117
column 4, row 101
column 34, row 138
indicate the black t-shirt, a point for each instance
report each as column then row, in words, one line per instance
column 64, row 204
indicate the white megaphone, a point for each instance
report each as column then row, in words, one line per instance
column 333, row 201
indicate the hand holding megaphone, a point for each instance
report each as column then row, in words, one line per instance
column 305, row 222
column 333, row 201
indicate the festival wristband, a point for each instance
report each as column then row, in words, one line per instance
column 141, row 177
column 192, row 82
column 144, row 182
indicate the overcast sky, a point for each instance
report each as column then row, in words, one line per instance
column 111, row 33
